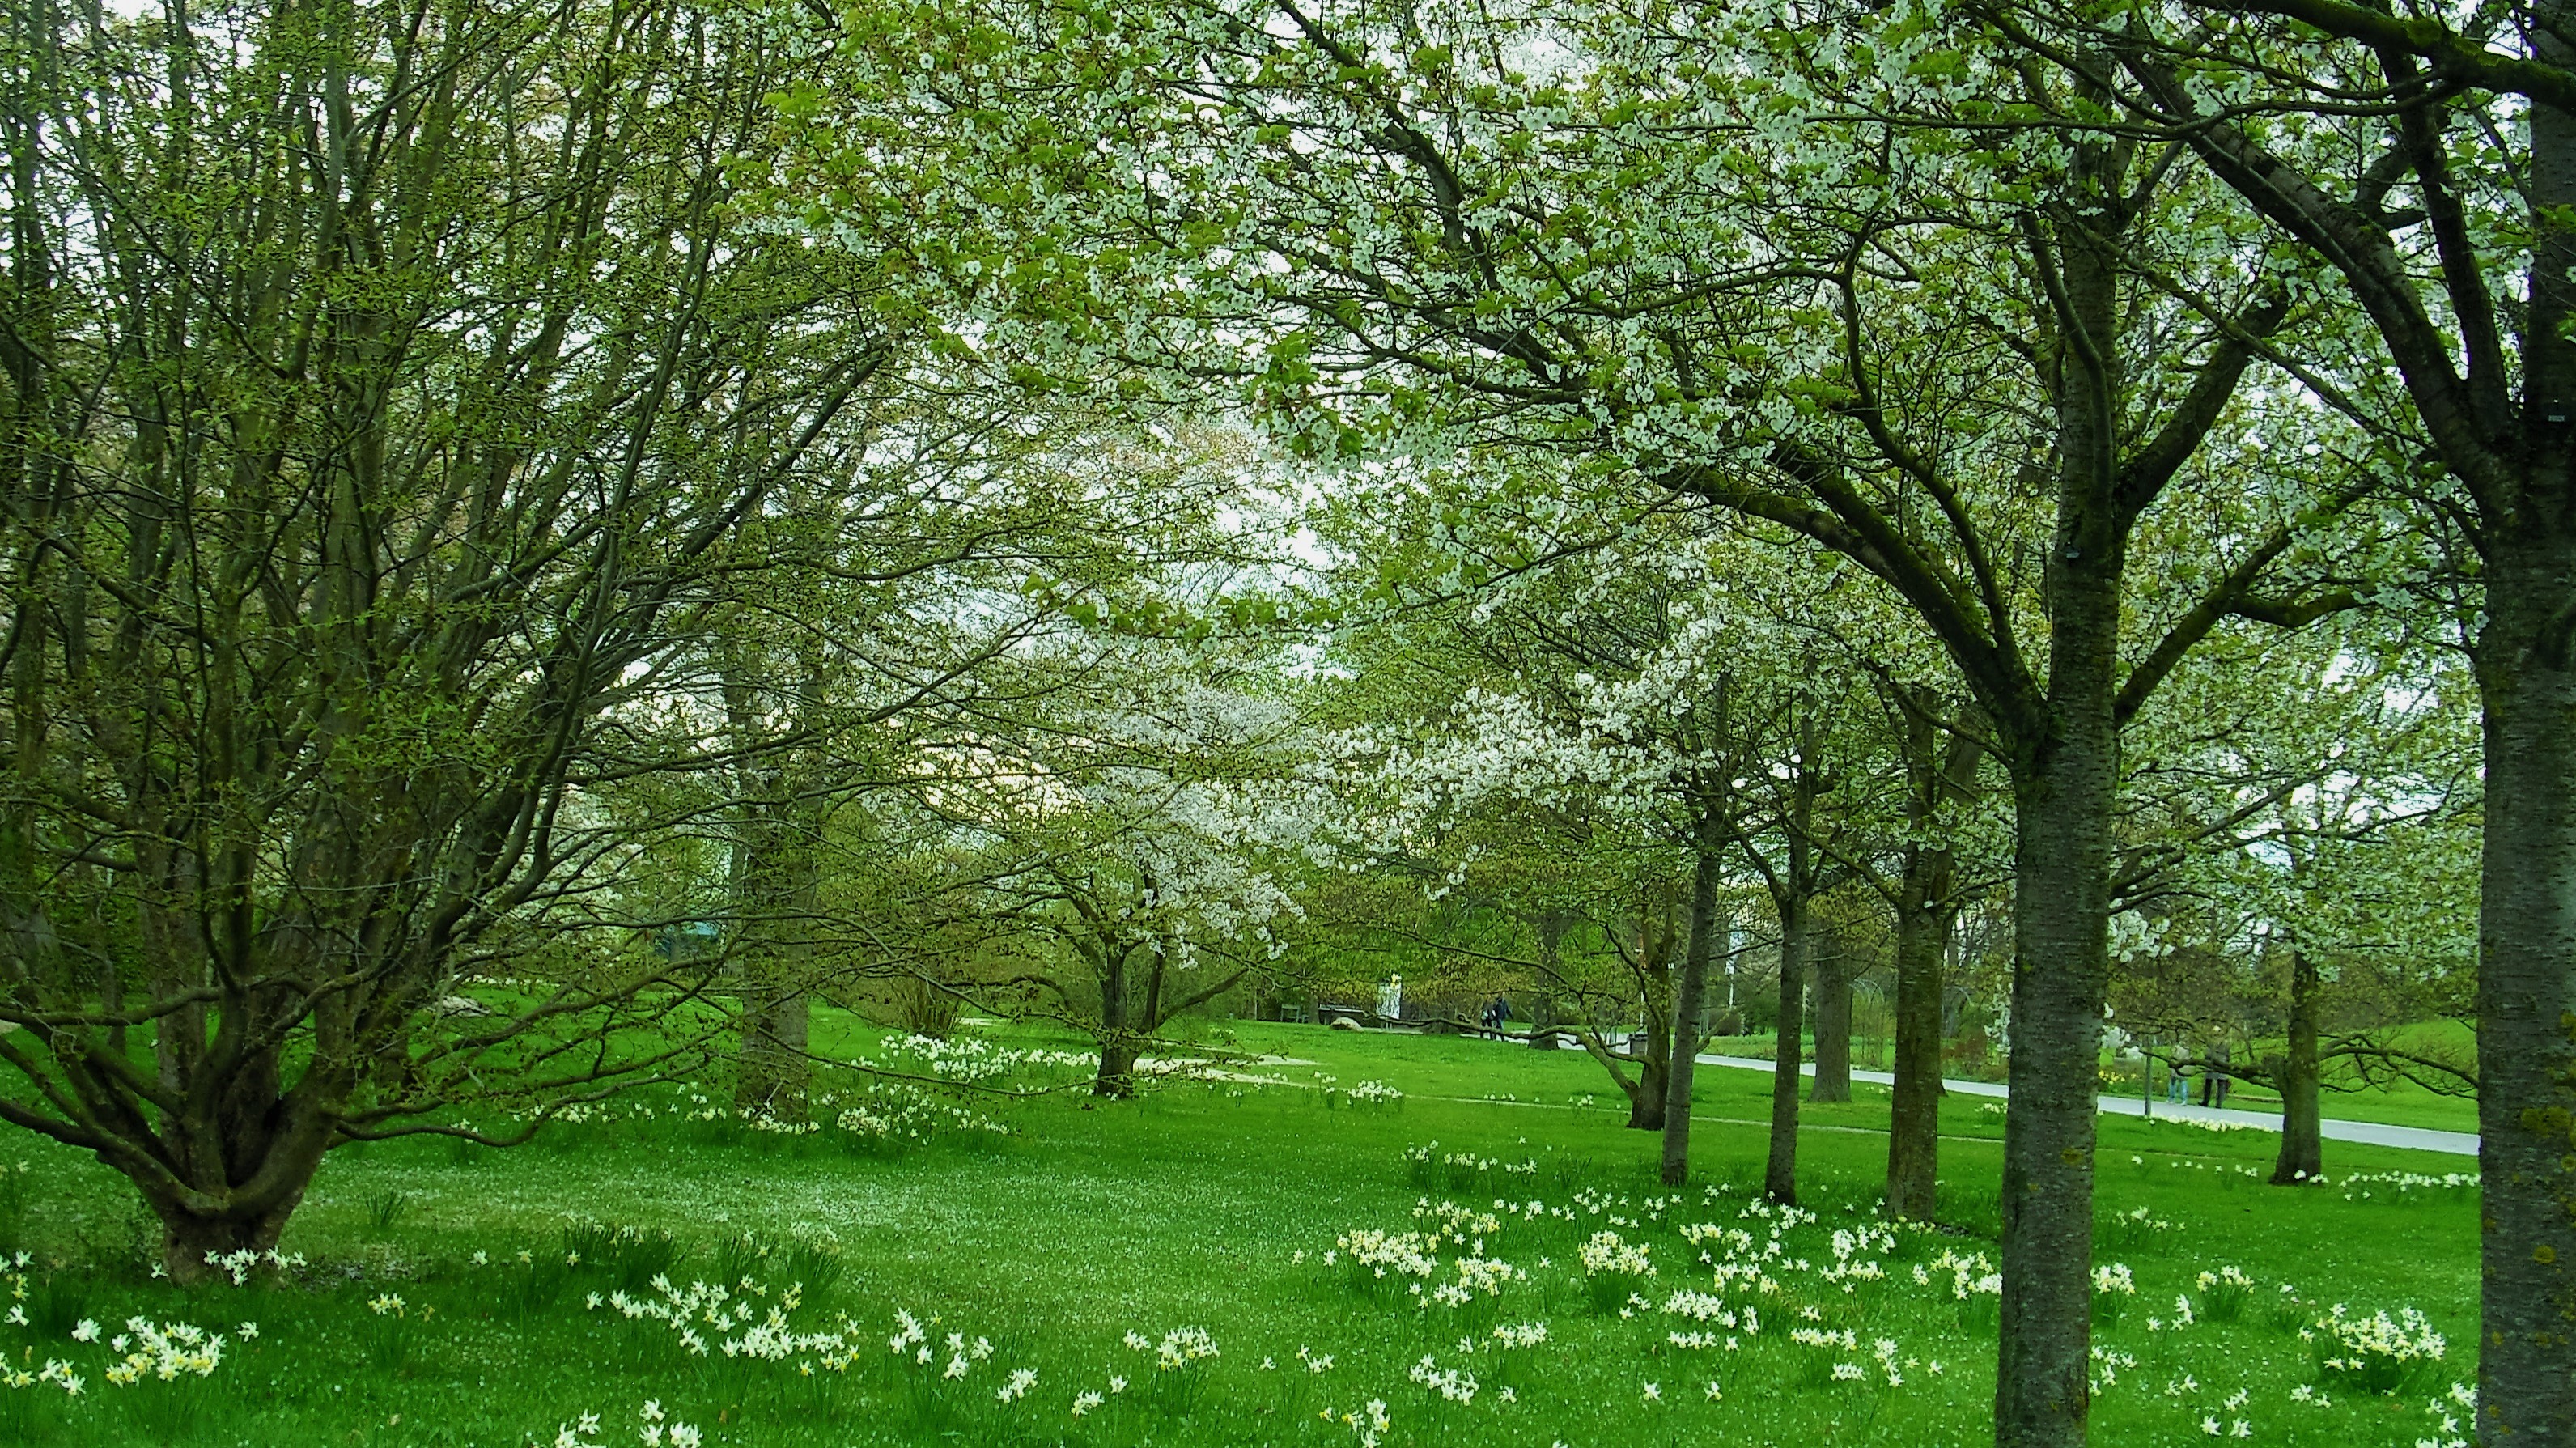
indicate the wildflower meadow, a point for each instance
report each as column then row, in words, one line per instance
column 1469, row 1252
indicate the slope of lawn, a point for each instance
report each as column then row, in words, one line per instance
column 1228, row 1209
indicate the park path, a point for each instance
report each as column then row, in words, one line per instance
column 2415, row 1138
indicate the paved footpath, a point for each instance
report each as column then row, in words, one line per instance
column 2417, row 1138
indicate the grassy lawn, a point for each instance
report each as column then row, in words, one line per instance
column 1213, row 1207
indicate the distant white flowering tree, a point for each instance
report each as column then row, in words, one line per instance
column 1153, row 832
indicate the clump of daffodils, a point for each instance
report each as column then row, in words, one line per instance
column 55, row 1373
column 894, row 1115
column 1369, row 1424
column 166, row 1351
column 747, row 1321
column 2224, row 1293
column 1483, row 1276
column 239, row 1263
column 1374, row 1256
column 2378, row 1353
column 656, row 1432
column 1971, row 1275
column 1457, row 1222
column 1610, row 1265
column 2113, row 1289
column 1180, row 1348
column 1455, row 1385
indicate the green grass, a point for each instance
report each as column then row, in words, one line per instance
column 1190, row 1208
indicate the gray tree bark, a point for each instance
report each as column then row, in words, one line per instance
column 2302, row 1157
column 2065, row 778
column 2516, row 460
column 2527, row 967
column 1833, row 1029
column 1690, row 1000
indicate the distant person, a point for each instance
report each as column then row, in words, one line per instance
column 2213, row 1082
column 1499, row 1011
column 2177, row 1088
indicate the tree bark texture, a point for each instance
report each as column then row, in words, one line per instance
column 2061, row 969
column 1117, row 1074
column 1833, row 1029
column 1690, row 1000
column 2302, row 1142
column 2527, row 981
column 1780, row 1171
column 2065, row 769
column 1924, row 920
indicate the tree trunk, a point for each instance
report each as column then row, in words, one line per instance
column 2062, row 949
column 1938, row 771
column 1543, row 1033
column 1117, row 1077
column 1780, row 1173
column 193, row 1245
column 1690, row 1003
column 773, row 1071
column 2065, row 762
column 240, row 1167
column 2302, row 1150
column 1833, row 1020
column 1646, row 1096
column 1654, row 995
column 779, row 889
column 1924, row 918
column 2526, row 992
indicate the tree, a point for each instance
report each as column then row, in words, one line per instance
column 1919, row 313
column 2301, row 872
column 1938, row 750
column 382, row 385
column 910, row 606
column 2466, row 284
column 1150, row 826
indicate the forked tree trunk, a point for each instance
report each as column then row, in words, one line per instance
column 1646, row 1096
column 193, row 1248
column 244, row 1169
column 1690, row 1004
column 1654, row 988
column 2302, row 1156
column 1833, row 1020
